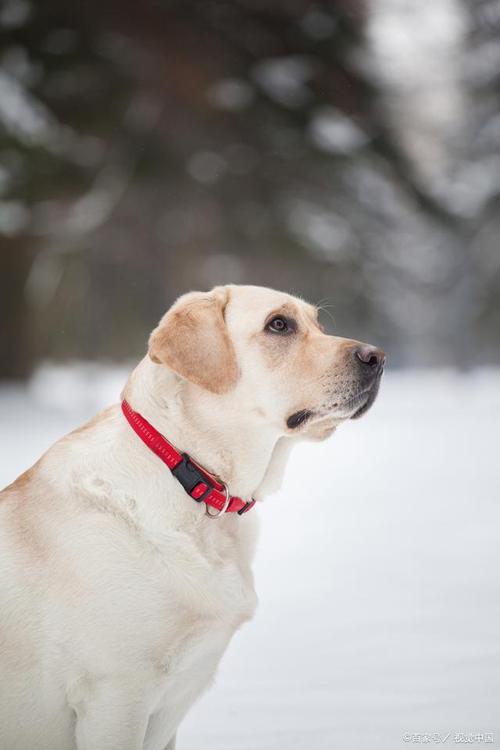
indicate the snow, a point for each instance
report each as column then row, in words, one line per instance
column 231, row 94
column 377, row 569
column 334, row 132
column 23, row 116
column 284, row 79
column 323, row 232
column 417, row 49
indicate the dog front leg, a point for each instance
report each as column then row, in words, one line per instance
column 171, row 744
column 112, row 718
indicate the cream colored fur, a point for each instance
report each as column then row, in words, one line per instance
column 118, row 596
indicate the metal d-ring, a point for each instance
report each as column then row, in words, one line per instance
column 224, row 507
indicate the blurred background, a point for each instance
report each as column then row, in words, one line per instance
column 346, row 151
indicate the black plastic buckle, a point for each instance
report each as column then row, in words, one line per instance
column 190, row 476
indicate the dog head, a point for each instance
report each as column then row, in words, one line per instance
column 265, row 352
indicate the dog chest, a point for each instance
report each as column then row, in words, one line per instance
column 187, row 670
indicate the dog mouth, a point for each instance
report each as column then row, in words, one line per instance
column 354, row 408
column 298, row 418
column 365, row 400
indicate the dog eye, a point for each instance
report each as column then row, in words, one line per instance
column 279, row 324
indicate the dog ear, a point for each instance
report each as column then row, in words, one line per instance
column 192, row 339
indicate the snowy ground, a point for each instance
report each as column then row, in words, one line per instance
column 379, row 607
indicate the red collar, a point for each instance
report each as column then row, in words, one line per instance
column 198, row 483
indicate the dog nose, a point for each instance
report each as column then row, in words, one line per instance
column 370, row 356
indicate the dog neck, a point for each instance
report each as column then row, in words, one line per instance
column 239, row 448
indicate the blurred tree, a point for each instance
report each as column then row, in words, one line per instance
column 151, row 148
column 478, row 191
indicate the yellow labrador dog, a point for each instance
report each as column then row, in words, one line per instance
column 118, row 592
